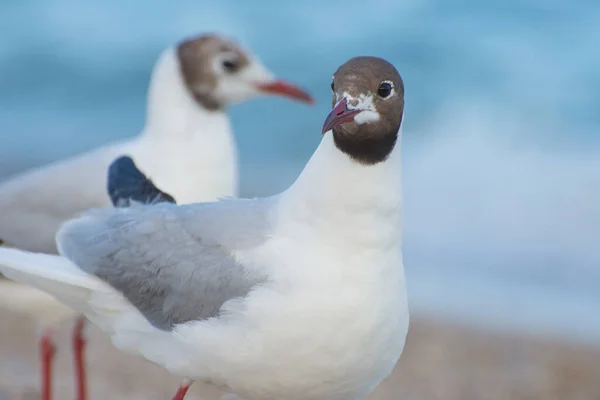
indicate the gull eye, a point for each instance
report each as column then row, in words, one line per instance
column 332, row 86
column 385, row 89
column 230, row 66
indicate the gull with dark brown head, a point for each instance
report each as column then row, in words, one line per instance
column 186, row 147
column 360, row 98
column 298, row 296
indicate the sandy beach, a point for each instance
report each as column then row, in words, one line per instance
column 440, row 361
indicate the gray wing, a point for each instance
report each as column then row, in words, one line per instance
column 173, row 263
column 34, row 204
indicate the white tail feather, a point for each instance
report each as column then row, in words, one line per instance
column 85, row 294
column 52, row 274
column 60, row 278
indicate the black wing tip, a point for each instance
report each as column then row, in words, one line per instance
column 122, row 167
column 127, row 183
column 123, row 159
column 123, row 177
column 164, row 198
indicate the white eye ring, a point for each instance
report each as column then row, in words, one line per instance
column 220, row 59
column 392, row 90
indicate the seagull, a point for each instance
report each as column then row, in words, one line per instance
column 297, row 296
column 186, row 146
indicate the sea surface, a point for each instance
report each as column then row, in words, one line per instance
column 501, row 133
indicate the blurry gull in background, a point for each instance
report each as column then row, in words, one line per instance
column 296, row 296
column 186, row 146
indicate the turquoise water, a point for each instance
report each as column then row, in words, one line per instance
column 502, row 143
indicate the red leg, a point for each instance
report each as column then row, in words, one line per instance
column 182, row 390
column 47, row 350
column 79, row 351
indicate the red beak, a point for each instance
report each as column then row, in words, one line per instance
column 339, row 115
column 286, row 89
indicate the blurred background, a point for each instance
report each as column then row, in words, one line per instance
column 501, row 158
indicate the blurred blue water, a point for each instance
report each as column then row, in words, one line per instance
column 502, row 143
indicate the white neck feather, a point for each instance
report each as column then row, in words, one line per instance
column 172, row 111
column 334, row 191
column 187, row 150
